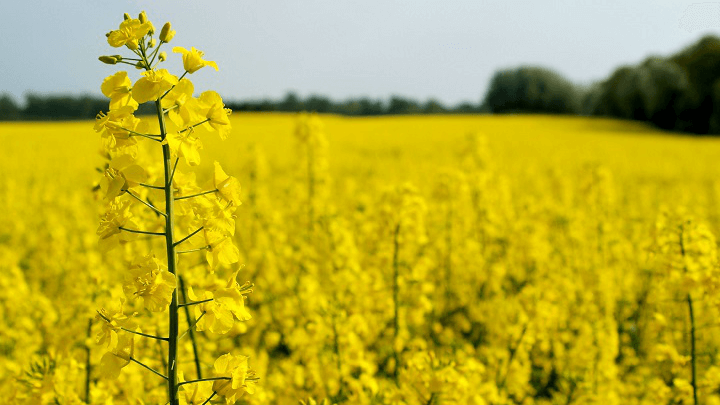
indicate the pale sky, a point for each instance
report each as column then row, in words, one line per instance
column 444, row 49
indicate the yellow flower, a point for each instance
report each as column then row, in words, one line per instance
column 212, row 316
column 166, row 34
column 113, row 127
column 215, row 112
column 233, row 296
column 217, row 214
column 195, row 393
column 183, row 145
column 113, row 361
column 109, row 231
column 152, row 85
column 221, row 249
column 111, row 320
column 181, row 105
column 228, row 187
column 241, row 378
column 150, row 280
column 192, row 59
column 117, row 89
column 129, row 33
column 122, row 174
column 225, row 306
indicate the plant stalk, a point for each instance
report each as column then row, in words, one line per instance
column 198, row 369
column 170, row 247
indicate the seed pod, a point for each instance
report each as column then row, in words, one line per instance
column 166, row 34
column 110, row 60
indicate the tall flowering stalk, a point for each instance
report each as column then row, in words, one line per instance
column 133, row 186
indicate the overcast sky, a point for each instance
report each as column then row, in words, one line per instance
column 444, row 49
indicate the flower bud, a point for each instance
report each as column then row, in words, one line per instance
column 152, row 28
column 140, row 65
column 152, row 43
column 118, row 57
column 110, row 60
column 126, row 16
column 166, row 34
column 162, row 56
column 142, row 17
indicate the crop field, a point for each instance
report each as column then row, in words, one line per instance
column 520, row 259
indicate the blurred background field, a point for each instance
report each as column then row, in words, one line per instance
column 539, row 260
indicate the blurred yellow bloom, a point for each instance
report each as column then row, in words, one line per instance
column 117, row 88
column 218, row 216
column 184, row 146
column 241, row 378
column 182, row 107
column 129, row 33
column 221, row 250
column 113, row 361
column 122, row 174
column 211, row 315
column 111, row 320
column 195, row 393
column 149, row 279
column 215, row 112
column 152, row 85
column 227, row 186
column 192, row 59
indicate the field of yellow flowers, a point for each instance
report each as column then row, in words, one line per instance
column 395, row 260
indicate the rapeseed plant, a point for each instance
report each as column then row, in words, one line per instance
column 132, row 181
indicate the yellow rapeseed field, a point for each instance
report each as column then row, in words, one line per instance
column 395, row 260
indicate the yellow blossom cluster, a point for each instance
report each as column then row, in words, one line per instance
column 402, row 260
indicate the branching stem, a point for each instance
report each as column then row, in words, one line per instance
column 195, row 195
column 148, row 368
column 141, row 232
column 189, row 236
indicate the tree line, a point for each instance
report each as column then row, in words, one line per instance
column 63, row 107
column 680, row 92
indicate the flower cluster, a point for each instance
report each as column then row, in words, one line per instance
column 149, row 198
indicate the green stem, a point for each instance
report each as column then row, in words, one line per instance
column 192, row 326
column 396, row 293
column 193, row 250
column 170, row 89
column 189, row 236
column 142, row 232
column 211, row 397
column 204, row 379
column 88, row 366
column 170, row 247
column 151, row 136
column 147, row 204
column 194, row 125
column 145, row 334
column 151, row 186
column 693, row 357
column 172, row 175
column 186, row 305
column 196, row 195
column 148, row 368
